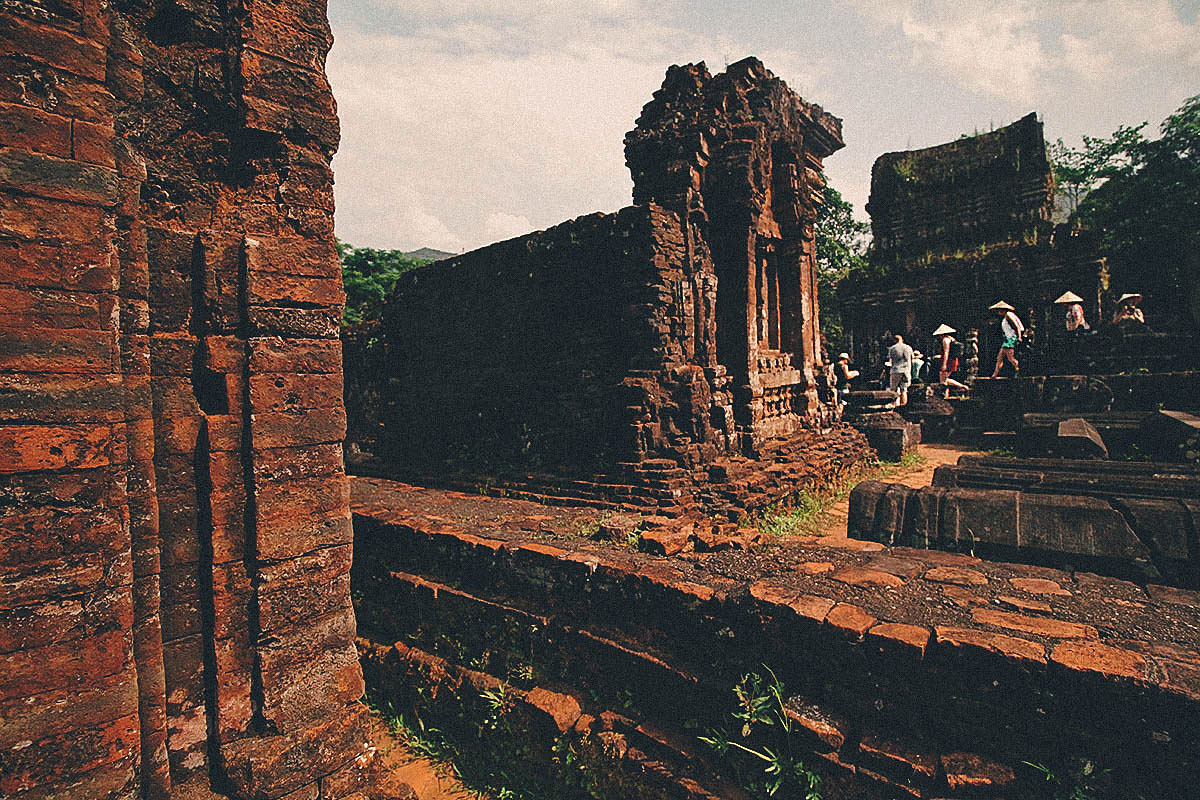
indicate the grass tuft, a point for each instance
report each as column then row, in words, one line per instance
column 802, row 515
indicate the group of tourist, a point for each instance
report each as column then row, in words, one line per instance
column 904, row 366
column 1128, row 312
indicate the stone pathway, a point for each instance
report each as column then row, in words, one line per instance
column 833, row 521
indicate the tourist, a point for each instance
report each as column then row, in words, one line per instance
column 900, row 358
column 1128, row 312
column 949, row 352
column 843, row 375
column 1011, row 331
column 1075, row 321
column 918, row 367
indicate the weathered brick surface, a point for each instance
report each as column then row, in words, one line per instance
column 669, row 335
column 912, row 687
column 169, row 282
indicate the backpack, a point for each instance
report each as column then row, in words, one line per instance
column 956, row 348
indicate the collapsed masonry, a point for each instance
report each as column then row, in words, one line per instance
column 174, row 529
column 908, row 673
column 647, row 345
column 1133, row 520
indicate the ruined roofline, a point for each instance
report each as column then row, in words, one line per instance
column 935, row 166
column 445, row 268
column 960, row 196
column 694, row 88
column 821, row 127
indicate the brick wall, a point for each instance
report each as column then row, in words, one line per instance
column 990, row 188
column 567, row 346
column 908, row 673
column 174, row 514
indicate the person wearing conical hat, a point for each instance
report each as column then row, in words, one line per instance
column 1011, row 331
column 918, row 366
column 1074, row 317
column 949, row 350
column 1128, row 311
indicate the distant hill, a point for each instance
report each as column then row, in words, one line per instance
column 429, row 254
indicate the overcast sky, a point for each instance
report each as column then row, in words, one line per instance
column 469, row 121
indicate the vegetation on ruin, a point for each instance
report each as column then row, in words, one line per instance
column 761, row 747
column 485, row 743
column 1080, row 780
column 804, row 514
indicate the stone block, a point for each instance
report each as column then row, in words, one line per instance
column 33, row 349
column 1172, row 436
column 288, row 393
column 1078, row 438
column 273, row 354
column 971, row 518
column 271, row 430
column 1079, row 526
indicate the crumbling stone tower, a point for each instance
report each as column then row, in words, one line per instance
column 738, row 158
column 174, row 527
column 677, row 331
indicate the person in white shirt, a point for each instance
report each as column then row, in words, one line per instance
column 900, row 356
column 1075, row 321
column 1011, row 331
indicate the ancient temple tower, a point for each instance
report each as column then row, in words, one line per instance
column 738, row 157
column 683, row 327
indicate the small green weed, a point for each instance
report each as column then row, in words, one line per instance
column 1080, row 781
column 762, row 753
column 588, row 528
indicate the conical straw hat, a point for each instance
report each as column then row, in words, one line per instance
column 1069, row 297
column 1001, row 306
column 1133, row 296
column 944, row 328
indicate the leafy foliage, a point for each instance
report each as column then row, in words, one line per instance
column 1143, row 196
column 369, row 276
column 841, row 242
column 1078, row 171
column 762, row 752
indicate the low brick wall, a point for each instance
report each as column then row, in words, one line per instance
column 917, row 673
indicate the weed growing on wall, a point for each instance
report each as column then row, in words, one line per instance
column 1080, row 780
column 760, row 747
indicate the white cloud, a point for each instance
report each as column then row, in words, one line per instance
column 493, row 119
column 1103, row 40
column 501, row 225
column 1019, row 50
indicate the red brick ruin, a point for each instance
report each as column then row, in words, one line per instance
column 666, row 352
column 175, row 517
column 175, row 530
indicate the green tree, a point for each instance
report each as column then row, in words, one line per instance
column 1078, row 171
column 369, row 276
column 841, row 243
column 1146, row 206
